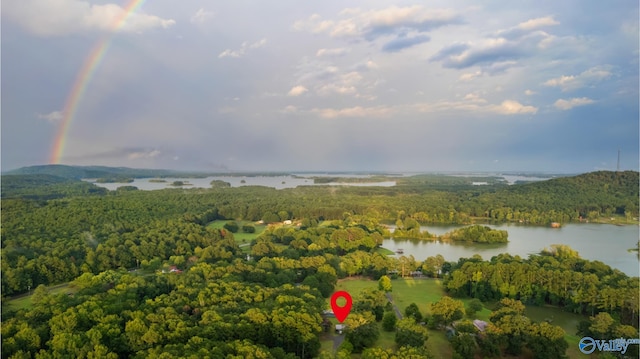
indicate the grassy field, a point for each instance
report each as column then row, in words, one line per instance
column 385, row 251
column 24, row 302
column 426, row 291
column 567, row 321
column 241, row 238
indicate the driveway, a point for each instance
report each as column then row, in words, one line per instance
column 395, row 308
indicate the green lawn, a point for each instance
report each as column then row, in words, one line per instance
column 386, row 339
column 404, row 292
column 384, row 251
column 420, row 291
column 25, row 302
column 426, row 291
column 241, row 238
column 565, row 320
column 438, row 344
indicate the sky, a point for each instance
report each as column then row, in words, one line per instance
column 250, row 85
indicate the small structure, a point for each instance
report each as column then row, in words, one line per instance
column 172, row 269
column 340, row 328
column 326, row 325
column 287, row 222
column 480, row 324
column 328, row 313
column 450, row 332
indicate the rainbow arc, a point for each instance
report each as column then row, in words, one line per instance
column 83, row 78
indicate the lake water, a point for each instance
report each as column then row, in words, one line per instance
column 277, row 182
column 603, row 242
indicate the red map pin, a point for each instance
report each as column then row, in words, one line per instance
column 341, row 312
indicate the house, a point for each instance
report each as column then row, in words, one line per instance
column 480, row 324
column 174, row 269
column 287, row 222
column 328, row 313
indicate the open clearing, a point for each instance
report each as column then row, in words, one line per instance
column 24, row 301
column 426, row 291
column 241, row 238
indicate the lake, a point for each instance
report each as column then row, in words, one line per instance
column 603, row 242
column 277, row 182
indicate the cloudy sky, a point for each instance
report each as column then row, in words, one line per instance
column 333, row 85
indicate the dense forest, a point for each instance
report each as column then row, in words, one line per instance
column 219, row 299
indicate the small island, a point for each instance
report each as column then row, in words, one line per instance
column 476, row 234
column 331, row 179
column 114, row 180
column 180, row 183
column 126, row 188
column 219, row 184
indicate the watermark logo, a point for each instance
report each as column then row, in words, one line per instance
column 588, row 345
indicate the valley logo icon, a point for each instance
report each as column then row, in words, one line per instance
column 588, row 345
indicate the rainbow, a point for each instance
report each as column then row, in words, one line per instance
column 83, row 78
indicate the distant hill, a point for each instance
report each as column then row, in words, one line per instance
column 622, row 184
column 603, row 192
column 44, row 186
column 78, row 172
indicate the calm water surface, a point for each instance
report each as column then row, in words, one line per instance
column 603, row 242
column 277, row 182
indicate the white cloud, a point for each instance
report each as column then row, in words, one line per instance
column 202, row 16
column 313, row 24
column 63, row 17
column 498, row 52
column 332, row 52
column 395, row 22
column 562, row 81
column 244, row 48
column 289, row 109
column 474, row 103
column 344, row 84
column 494, row 54
column 470, row 76
column 356, row 111
column 52, row 117
column 472, row 97
column 529, row 92
column 527, row 27
column 537, row 23
column 510, row 107
column 258, row 44
column 584, row 79
column 371, row 65
column 297, row 90
column 143, row 154
column 416, row 17
column 564, row 105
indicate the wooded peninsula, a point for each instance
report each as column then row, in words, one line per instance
column 246, row 272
